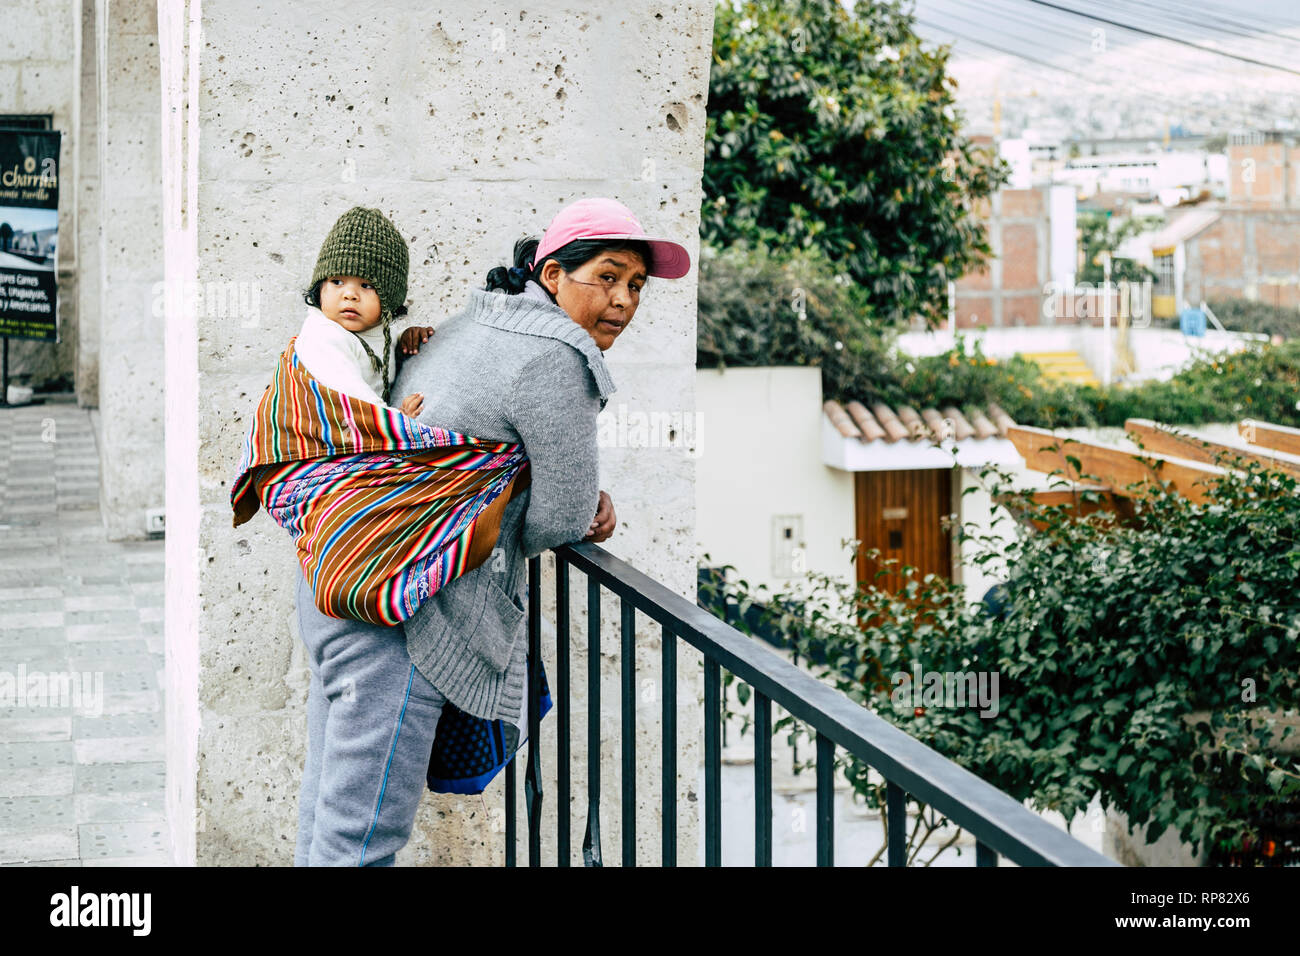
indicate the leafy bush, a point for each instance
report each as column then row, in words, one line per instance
column 1242, row 315
column 760, row 308
column 1261, row 382
column 962, row 378
column 1144, row 661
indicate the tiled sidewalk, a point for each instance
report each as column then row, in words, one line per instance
column 81, row 775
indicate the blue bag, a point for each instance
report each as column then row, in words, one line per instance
column 469, row 751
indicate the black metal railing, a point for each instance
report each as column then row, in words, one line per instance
column 999, row 823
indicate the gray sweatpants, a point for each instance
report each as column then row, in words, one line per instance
column 371, row 718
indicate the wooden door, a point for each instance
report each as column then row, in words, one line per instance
column 899, row 512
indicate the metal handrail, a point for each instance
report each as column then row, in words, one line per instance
column 999, row 823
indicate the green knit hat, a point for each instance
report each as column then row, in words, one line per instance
column 365, row 243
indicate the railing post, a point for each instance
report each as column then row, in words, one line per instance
column 668, row 683
column 896, row 815
column 511, row 834
column 712, row 764
column 563, row 756
column 533, row 772
column 628, row 672
column 591, row 841
column 762, row 779
column 825, row 800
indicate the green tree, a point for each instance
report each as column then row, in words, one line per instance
column 1096, row 235
column 834, row 128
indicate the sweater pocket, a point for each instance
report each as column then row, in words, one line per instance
column 502, row 624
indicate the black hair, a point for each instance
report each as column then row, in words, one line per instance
column 570, row 256
column 312, row 297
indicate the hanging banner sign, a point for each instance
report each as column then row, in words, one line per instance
column 29, row 232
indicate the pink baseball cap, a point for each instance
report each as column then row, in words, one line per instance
column 599, row 218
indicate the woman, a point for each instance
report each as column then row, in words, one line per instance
column 524, row 362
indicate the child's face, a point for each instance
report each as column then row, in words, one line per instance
column 351, row 301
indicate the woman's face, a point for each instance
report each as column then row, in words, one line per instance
column 601, row 295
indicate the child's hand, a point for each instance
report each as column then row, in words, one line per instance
column 413, row 403
column 414, row 337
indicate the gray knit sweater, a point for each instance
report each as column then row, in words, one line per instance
column 507, row 368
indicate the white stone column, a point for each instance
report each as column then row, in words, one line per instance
column 130, row 267
column 178, row 26
column 470, row 124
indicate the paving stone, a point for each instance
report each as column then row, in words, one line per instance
column 23, row 708
column 31, row 619
column 35, row 755
column 121, row 647
column 118, row 807
column 24, row 636
column 115, row 600
column 95, row 577
column 34, row 813
column 105, row 779
column 124, row 839
column 132, row 703
column 123, row 618
column 24, row 577
column 27, row 603
column 88, row 658
column 119, row 749
column 119, row 725
column 46, row 843
column 94, row 633
column 44, row 863
column 43, row 781
column 35, row 657
column 31, row 729
column 147, row 859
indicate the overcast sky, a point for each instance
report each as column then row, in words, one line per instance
column 1014, row 47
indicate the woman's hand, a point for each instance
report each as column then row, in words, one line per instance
column 414, row 337
column 413, row 404
column 602, row 526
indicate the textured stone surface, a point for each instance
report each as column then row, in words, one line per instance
column 474, row 128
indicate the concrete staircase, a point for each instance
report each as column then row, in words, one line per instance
column 1063, row 367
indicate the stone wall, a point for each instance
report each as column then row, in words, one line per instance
column 469, row 124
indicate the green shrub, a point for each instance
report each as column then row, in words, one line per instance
column 761, row 308
column 1261, row 382
column 1112, row 636
column 1242, row 315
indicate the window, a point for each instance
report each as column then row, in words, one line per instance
column 1164, row 269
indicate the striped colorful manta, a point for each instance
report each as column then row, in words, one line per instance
column 384, row 510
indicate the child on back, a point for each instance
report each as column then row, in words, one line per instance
column 357, row 289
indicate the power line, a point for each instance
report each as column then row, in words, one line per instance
column 1213, row 23
column 1261, row 114
column 1174, row 104
column 1163, row 36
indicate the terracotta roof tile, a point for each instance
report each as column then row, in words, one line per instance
column 880, row 422
column 865, row 421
